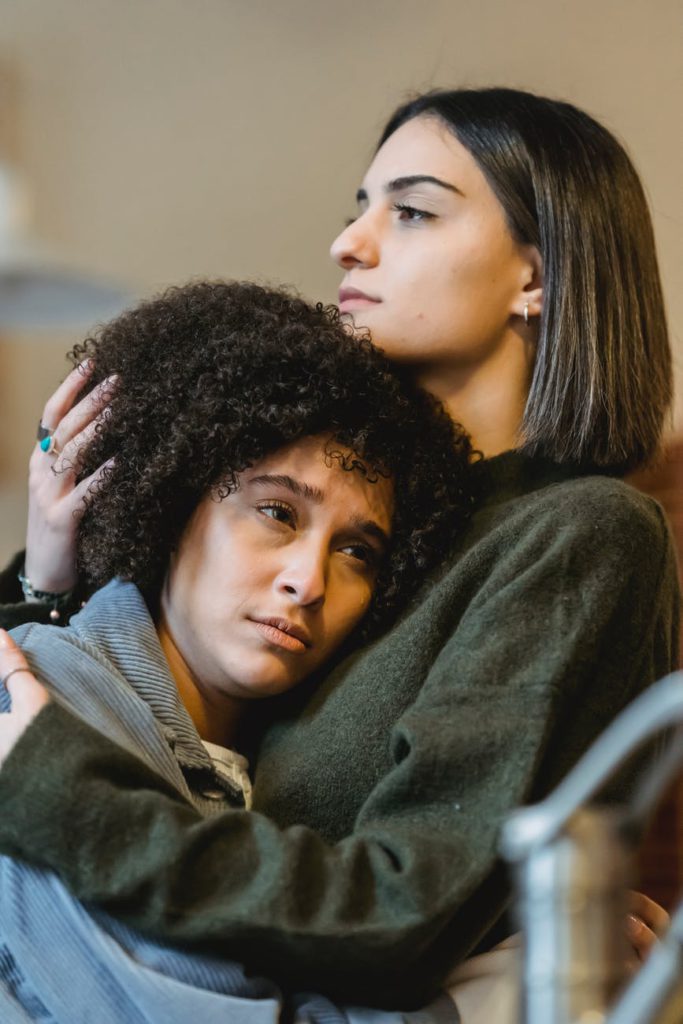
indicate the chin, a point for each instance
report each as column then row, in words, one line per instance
column 394, row 348
column 397, row 351
column 358, row 321
column 263, row 687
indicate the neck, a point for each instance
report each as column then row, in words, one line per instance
column 215, row 717
column 488, row 398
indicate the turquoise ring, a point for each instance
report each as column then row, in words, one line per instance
column 48, row 445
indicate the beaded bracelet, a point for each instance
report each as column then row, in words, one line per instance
column 58, row 601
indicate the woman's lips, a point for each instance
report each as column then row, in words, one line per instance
column 282, row 634
column 352, row 298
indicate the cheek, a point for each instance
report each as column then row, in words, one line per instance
column 343, row 618
column 203, row 588
column 443, row 293
column 431, row 321
column 186, row 592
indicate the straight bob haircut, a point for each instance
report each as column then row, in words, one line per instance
column 602, row 382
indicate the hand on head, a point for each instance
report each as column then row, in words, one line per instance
column 27, row 694
column 55, row 494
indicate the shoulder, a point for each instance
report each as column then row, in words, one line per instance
column 599, row 510
column 570, row 529
column 610, row 529
column 83, row 636
column 50, row 650
column 603, row 501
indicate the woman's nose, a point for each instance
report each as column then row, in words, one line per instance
column 356, row 245
column 304, row 578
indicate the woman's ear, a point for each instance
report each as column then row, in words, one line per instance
column 529, row 301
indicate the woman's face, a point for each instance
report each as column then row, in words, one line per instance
column 267, row 583
column 430, row 265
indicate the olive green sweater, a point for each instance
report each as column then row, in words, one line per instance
column 369, row 864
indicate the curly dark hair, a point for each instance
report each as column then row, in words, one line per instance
column 214, row 376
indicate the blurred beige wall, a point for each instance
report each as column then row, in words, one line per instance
column 166, row 138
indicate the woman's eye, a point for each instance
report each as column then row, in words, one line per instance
column 368, row 556
column 278, row 511
column 411, row 213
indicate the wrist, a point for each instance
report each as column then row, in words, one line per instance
column 58, row 600
column 56, row 580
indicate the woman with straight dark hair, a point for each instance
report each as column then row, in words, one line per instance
column 503, row 252
column 600, row 361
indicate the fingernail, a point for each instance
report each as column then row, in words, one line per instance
column 5, row 638
column 634, row 923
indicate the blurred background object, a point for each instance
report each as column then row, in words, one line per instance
column 572, row 858
column 36, row 290
column 42, row 298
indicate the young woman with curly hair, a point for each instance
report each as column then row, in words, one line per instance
column 502, row 254
column 272, row 488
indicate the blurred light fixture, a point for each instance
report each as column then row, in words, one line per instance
column 37, row 290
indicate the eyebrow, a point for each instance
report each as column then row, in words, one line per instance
column 303, row 490
column 296, row 487
column 408, row 180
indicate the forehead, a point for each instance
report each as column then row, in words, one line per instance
column 346, row 494
column 424, row 145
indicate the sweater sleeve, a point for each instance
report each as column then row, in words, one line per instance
column 10, row 591
column 562, row 634
column 15, row 611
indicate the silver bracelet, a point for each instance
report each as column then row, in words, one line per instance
column 59, row 601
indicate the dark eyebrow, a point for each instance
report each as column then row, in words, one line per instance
column 297, row 487
column 398, row 184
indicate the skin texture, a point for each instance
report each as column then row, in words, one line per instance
column 449, row 282
column 302, row 550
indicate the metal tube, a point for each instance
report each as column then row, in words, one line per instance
column 570, row 894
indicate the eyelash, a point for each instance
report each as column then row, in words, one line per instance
column 414, row 214
column 281, row 506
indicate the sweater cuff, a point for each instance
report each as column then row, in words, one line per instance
column 10, row 590
column 35, row 779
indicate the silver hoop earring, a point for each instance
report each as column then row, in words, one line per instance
column 526, row 313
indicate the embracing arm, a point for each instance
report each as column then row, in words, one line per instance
column 377, row 916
